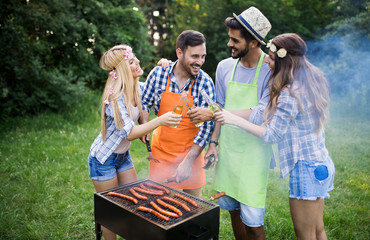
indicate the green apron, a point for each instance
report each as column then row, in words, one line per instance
column 243, row 165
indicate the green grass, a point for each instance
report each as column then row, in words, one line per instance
column 46, row 192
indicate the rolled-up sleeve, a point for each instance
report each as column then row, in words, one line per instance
column 147, row 98
column 128, row 124
column 205, row 131
column 287, row 109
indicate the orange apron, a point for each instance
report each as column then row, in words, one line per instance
column 171, row 145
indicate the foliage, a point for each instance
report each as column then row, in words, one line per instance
column 51, row 49
column 46, row 192
column 207, row 16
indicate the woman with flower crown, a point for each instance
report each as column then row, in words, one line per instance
column 294, row 119
column 110, row 162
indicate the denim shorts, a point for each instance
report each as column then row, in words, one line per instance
column 310, row 180
column 114, row 164
column 251, row 216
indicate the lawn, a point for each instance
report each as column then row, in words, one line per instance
column 46, row 192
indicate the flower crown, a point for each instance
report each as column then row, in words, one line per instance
column 126, row 55
column 282, row 51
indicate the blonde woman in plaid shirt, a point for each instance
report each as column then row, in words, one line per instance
column 110, row 162
column 295, row 118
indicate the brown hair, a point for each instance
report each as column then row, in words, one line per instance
column 189, row 38
column 232, row 23
column 296, row 66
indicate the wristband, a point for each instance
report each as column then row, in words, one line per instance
column 215, row 142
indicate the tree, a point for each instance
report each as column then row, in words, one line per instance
column 51, row 49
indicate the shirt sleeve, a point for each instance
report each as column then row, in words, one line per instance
column 205, row 131
column 128, row 123
column 220, row 87
column 256, row 116
column 147, row 98
column 287, row 110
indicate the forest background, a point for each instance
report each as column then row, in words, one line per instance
column 50, row 49
column 51, row 83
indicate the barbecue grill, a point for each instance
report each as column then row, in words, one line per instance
column 122, row 217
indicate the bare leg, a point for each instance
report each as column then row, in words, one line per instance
column 195, row 192
column 101, row 186
column 307, row 218
column 238, row 226
column 122, row 178
column 257, row 233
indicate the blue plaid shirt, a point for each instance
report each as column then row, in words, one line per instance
column 156, row 85
column 102, row 150
column 295, row 132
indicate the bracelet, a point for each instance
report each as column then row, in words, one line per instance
column 215, row 142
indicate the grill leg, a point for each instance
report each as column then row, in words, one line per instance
column 98, row 231
column 215, row 237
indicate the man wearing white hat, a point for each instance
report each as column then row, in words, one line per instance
column 243, row 160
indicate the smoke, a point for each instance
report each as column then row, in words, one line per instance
column 345, row 61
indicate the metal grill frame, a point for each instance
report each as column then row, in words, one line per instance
column 120, row 219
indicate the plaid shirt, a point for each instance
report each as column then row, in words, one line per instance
column 156, row 85
column 102, row 150
column 295, row 132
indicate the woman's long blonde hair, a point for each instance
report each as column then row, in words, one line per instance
column 295, row 66
column 124, row 85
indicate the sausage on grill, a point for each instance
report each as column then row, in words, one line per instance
column 191, row 201
column 183, row 205
column 134, row 200
column 157, row 187
column 165, row 212
column 151, row 190
column 146, row 191
column 169, row 206
column 139, row 196
column 154, row 212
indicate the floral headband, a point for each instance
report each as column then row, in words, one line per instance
column 126, row 55
column 282, row 51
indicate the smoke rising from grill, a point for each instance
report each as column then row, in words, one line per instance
column 345, row 60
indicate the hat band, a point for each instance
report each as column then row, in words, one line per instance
column 250, row 28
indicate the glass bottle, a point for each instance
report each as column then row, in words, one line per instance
column 213, row 106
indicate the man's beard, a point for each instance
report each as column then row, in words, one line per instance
column 187, row 68
column 241, row 53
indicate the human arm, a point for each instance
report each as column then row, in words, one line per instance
column 200, row 114
column 212, row 147
column 184, row 169
column 226, row 117
column 167, row 119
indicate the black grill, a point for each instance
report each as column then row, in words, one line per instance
column 122, row 217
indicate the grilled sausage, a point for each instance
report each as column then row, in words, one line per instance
column 165, row 212
column 217, row 196
column 151, row 190
column 139, row 196
column 157, row 187
column 146, row 191
column 134, row 200
column 183, row 205
column 154, row 212
column 191, row 201
column 169, row 206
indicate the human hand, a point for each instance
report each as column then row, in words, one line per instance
column 211, row 153
column 145, row 138
column 170, row 119
column 224, row 117
column 183, row 171
column 164, row 62
column 200, row 114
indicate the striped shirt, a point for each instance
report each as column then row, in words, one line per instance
column 102, row 150
column 295, row 131
column 156, row 85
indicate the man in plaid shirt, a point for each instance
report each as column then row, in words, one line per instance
column 180, row 150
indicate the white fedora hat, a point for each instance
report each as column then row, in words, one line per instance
column 255, row 22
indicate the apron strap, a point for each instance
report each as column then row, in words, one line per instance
column 168, row 85
column 256, row 75
column 258, row 68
